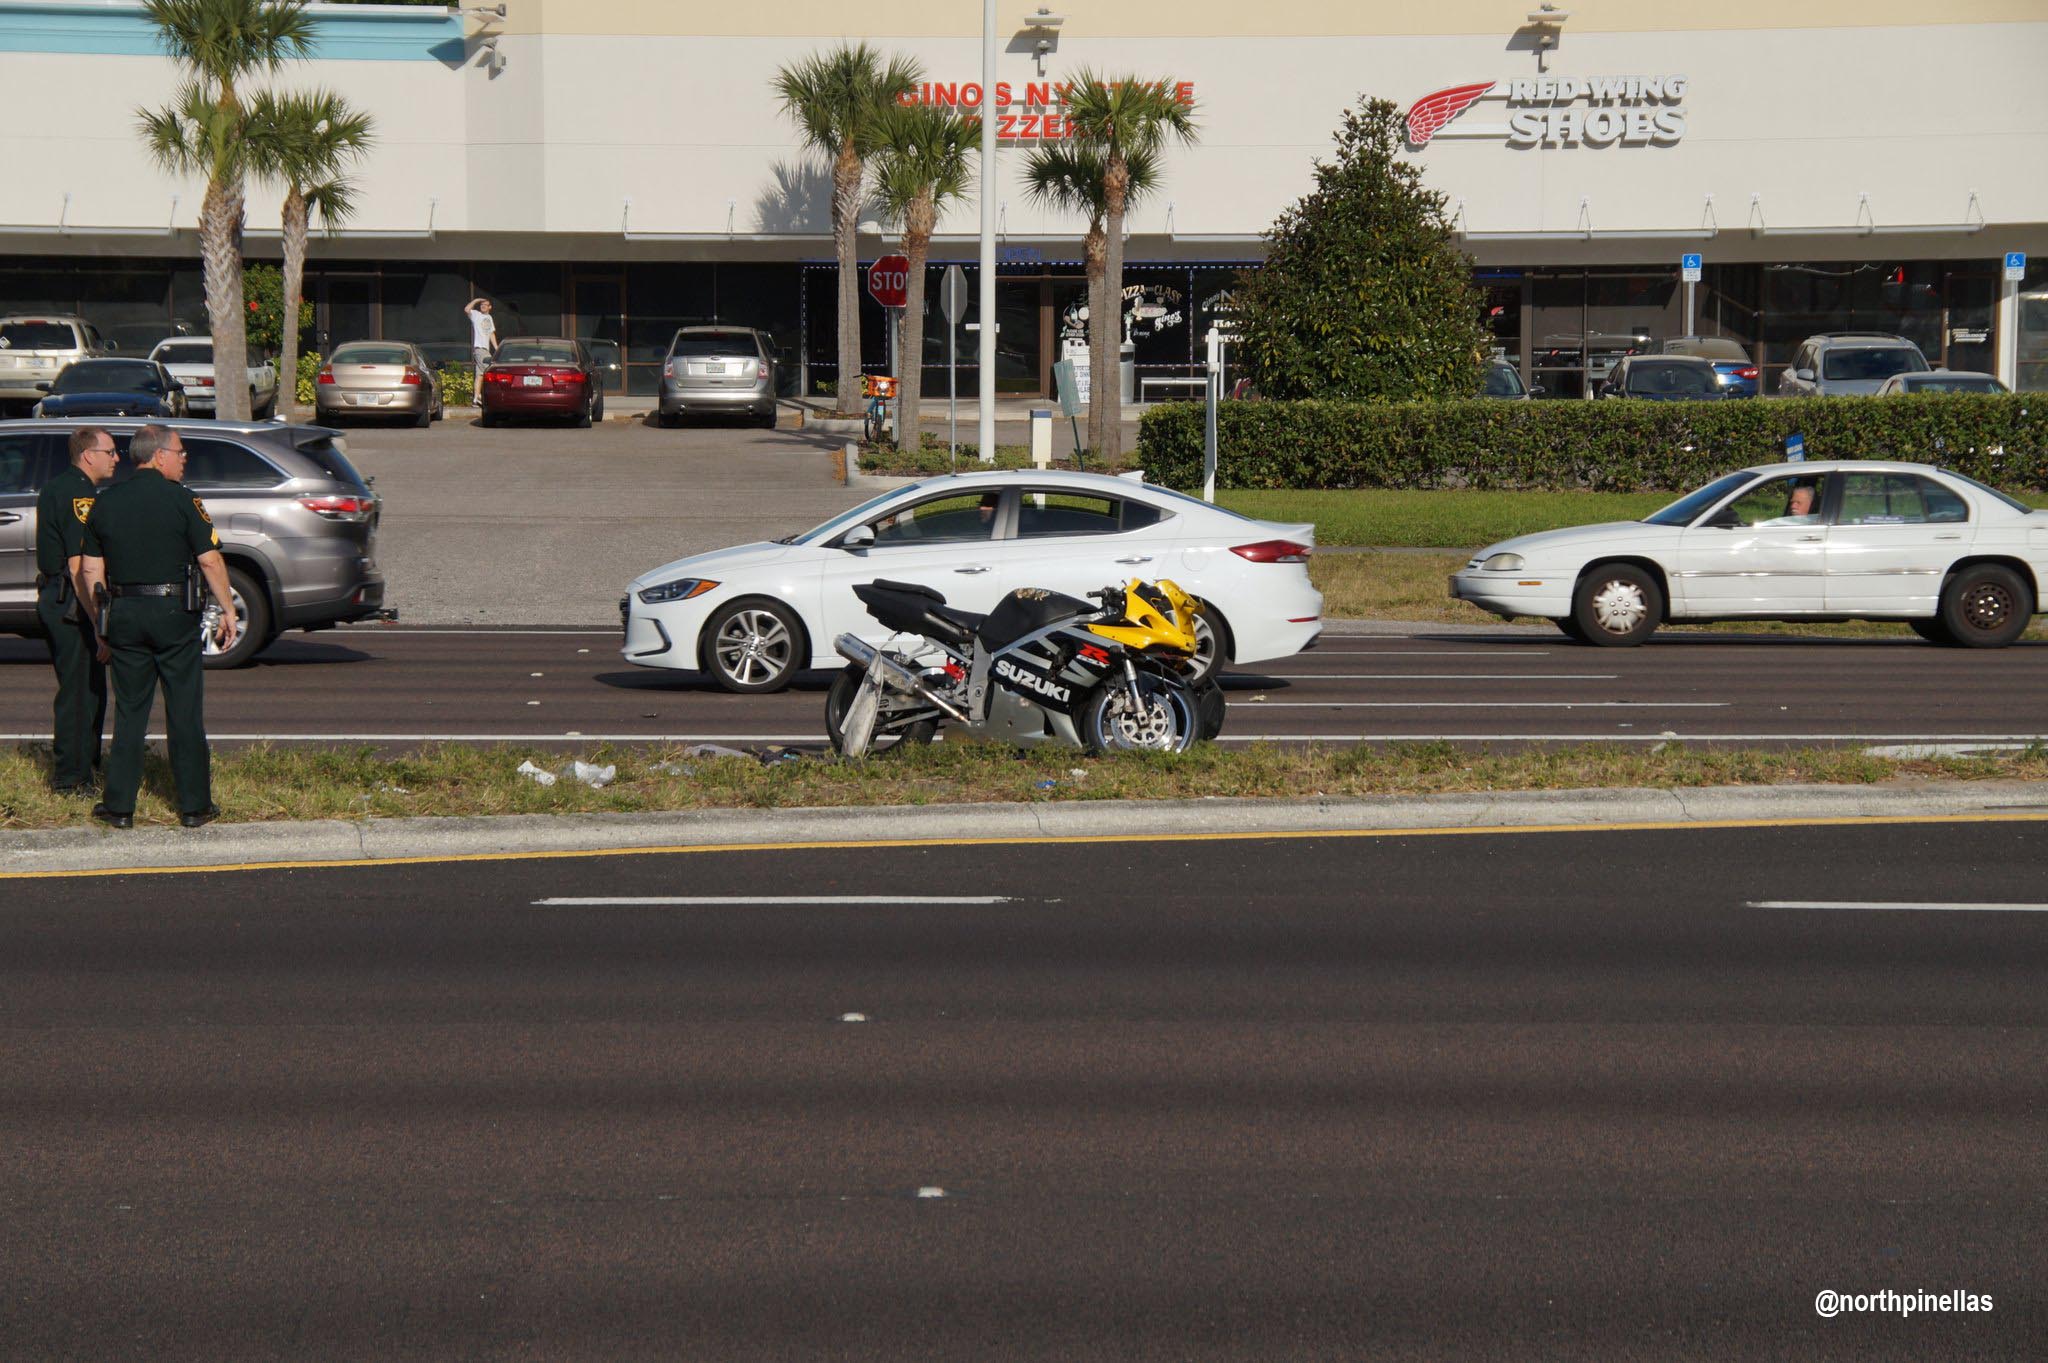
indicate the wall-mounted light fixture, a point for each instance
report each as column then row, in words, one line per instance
column 1548, row 22
column 1046, row 25
column 494, row 60
column 487, row 13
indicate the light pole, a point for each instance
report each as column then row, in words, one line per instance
column 985, row 427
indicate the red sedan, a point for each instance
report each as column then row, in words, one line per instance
column 541, row 376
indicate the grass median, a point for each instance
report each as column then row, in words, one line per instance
column 264, row 784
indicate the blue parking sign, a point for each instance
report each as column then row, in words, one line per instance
column 1795, row 449
column 2015, row 266
column 1689, row 266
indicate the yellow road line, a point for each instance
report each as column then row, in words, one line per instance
column 1027, row 840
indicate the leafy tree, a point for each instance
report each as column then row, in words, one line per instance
column 1070, row 179
column 1118, row 119
column 204, row 131
column 263, row 295
column 924, row 161
column 1364, row 293
column 838, row 99
column 307, row 141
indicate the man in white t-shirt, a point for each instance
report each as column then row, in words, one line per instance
column 483, row 342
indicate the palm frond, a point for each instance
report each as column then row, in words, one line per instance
column 922, row 153
column 222, row 41
column 194, row 135
column 833, row 97
column 333, row 200
column 1126, row 114
column 300, row 138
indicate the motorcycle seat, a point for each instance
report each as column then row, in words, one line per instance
column 912, row 607
column 1025, row 611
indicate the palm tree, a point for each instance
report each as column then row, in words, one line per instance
column 1119, row 119
column 307, row 141
column 837, row 99
column 923, row 163
column 220, row 43
column 1070, row 179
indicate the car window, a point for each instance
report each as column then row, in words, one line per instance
column 1898, row 499
column 538, row 352
column 1687, row 508
column 1501, row 382
column 219, row 463
column 28, row 459
column 371, row 354
column 37, row 336
column 1876, row 362
column 958, row 518
column 1669, row 380
column 321, row 450
column 1044, row 514
column 109, row 376
column 1794, row 499
column 706, row 343
column 1989, row 491
column 1936, row 383
column 184, row 352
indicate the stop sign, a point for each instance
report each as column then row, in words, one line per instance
column 889, row 280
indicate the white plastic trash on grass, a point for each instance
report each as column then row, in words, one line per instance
column 596, row 777
column 535, row 774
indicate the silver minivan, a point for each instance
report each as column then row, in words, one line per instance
column 710, row 371
column 34, row 348
column 297, row 523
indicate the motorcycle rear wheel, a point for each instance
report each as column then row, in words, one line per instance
column 886, row 739
column 1166, row 719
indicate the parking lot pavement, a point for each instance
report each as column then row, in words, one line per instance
column 546, row 524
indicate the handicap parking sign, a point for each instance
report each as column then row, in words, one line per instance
column 2015, row 266
column 1689, row 265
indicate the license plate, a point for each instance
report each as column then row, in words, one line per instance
column 532, row 380
column 707, row 369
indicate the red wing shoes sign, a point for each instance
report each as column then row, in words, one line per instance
column 1558, row 111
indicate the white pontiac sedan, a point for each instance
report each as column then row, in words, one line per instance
column 1960, row 562
column 755, row 615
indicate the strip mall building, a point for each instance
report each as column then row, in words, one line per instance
column 618, row 168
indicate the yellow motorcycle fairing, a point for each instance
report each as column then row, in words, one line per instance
column 1156, row 615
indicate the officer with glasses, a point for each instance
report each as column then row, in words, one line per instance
column 76, row 650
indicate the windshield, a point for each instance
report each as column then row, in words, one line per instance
column 108, row 376
column 1687, row 509
column 1665, row 380
column 536, row 352
column 716, row 343
column 1942, row 383
column 844, row 519
column 370, row 354
column 1878, row 362
column 1501, row 382
column 184, row 352
column 36, row 336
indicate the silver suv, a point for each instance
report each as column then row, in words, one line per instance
column 297, row 523
column 718, row 370
column 1848, row 363
column 34, row 348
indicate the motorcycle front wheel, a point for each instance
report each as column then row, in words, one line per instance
column 888, row 734
column 1163, row 717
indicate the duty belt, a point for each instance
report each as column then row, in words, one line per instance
column 148, row 589
column 45, row 579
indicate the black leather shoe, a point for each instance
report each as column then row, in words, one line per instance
column 201, row 819
column 112, row 819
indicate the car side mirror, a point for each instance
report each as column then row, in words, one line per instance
column 860, row 537
column 1803, row 375
column 1537, row 390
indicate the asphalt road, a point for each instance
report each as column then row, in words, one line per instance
column 1471, row 1096
column 401, row 685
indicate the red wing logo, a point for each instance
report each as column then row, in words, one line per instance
column 1431, row 112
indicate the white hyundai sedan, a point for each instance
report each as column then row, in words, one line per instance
column 1960, row 562
column 755, row 615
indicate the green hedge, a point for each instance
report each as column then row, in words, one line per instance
column 1600, row 446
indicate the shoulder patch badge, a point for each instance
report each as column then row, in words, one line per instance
column 202, row 511
column 81, row 507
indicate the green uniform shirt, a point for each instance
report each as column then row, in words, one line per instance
column 61, row 509
column 148, row 529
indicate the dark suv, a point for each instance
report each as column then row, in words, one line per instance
column 297, row 523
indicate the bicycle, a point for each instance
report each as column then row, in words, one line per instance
column 880, row 390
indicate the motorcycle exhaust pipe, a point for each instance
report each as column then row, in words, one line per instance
column 861, row 653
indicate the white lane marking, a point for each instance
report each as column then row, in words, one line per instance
column 1945, row 749
column 1255, row 707
column 478, row 633
column 2019, row 741
column 529, row 737
column 1904, row 905
column 1568, row 738
column 1420, row 653
column 1434, row 676
column 687, row 901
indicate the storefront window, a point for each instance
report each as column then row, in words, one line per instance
column 424, row 306
column 2032, row 323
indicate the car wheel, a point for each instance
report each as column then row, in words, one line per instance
column 767, row 419
column 582, row 418
column 487, row 419
column 1570, row 626
column 1985, row 606
column 425, row 418
column 252, row 608
column 1211, row 647
column 666, row 420
column 1617, row 605
column 267, row 410
column 916, row 732
column 1931, row 629
column 754, row 646
column 597, row 414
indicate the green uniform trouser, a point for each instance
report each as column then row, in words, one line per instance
column 154, row 639
column 81, row 710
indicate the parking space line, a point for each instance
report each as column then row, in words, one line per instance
column 1874, row 906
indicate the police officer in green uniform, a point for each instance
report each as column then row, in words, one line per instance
column 76, row 650
column 141, row 542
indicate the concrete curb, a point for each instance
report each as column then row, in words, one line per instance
column 342, row 842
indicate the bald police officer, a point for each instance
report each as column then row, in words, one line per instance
column 141, row 540
column 77, row 651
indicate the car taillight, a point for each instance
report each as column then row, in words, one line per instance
column 340, row 508
column 496, row 376
column 760, row 371
column 1746, row 372
column 569, row 376
column 200, row 383
column 412, row 377
column 326, row 376
column 1272, row 551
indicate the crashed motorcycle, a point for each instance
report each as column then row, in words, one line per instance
column 1042, row 667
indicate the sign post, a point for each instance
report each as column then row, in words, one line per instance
column 1689, row 270
column 1213, row 392
column 889, row 285
column 953, row 302
column 2007, row 362
column 1064, row 384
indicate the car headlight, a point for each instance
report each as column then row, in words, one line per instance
column 682, row 589
column 1504, row 563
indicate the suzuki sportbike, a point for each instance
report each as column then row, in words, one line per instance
column 1042, row 667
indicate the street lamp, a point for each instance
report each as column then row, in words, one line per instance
column 985, row 341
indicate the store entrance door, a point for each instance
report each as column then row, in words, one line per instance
column 345, row 309
column 1969, row 321
column 597, row 318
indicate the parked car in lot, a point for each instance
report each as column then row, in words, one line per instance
column 718, row 371
column 297, row 523
column 1502, row 380
column 109, row 387
column 1848, row 363
column 190, row 360
column 1598, row 353
column 1941, row 381
column 541, row 376
column 1663, row 378
column 1960, row 562
column 378, row 379
column 1732, row 365
column 752, row 616
column 35, row 348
